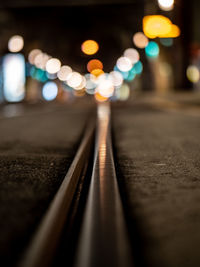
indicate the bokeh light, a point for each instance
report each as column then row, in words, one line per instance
column 152, row 49
column 193, row 74
column 81, row 86
column 166, row 5
column 53, row 65
column 49, row 91
column 14, row 77
column 16, row 43
column 97, row 72
column 140, row 40
column 124, row 64
column 174, row 32
column 90, row 47
column 166, row 41
column 105, row 88
column 138, row 67
column 40, row 60
column 90, row 84
column 38, row 74
column 123, row 73
column 100, row 98
column 132, row 54
column 32, row 55
column 131, row 75
column 116, row 78
column 94, row 64
column 74, row 80
column 156, row 25
column 159, row 26
column 64, row 73
column 123, row 92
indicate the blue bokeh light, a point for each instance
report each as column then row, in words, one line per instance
column 49, row 91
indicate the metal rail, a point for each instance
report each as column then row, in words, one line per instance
column 45, row 241
column 104, row 240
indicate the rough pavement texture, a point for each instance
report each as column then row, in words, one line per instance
column 158, row 154
column 36, row 149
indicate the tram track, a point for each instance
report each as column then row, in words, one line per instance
column 103, row 238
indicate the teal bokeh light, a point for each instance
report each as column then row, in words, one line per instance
column 138, row 67
column 166, row 41
column 38, row 74
column 131, row 75
column 152, row 49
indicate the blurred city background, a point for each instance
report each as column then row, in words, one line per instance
column 61, row 50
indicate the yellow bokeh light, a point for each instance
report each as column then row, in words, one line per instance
column 193, row 74
column 174, row 32
column 159, row 26
column 89, row 47
column 100, row 98
column 97, row 72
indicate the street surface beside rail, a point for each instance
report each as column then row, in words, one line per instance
column 37, row 146
column 158, row 166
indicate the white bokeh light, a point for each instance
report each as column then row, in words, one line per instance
column 53, row 65
column 105, row 88
column 132, row 54
column 124, row 64
column 116, row 78
column 74, row 80
column 32, row 55
column 64, row 73
column 16, row 43
column 166, row 5
column 40, row 60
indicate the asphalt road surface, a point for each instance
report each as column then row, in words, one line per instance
column 158, row 164
column 37, row 145
column 156, row 147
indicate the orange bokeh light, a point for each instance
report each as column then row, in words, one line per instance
column 89, row 47
column 94, row 64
